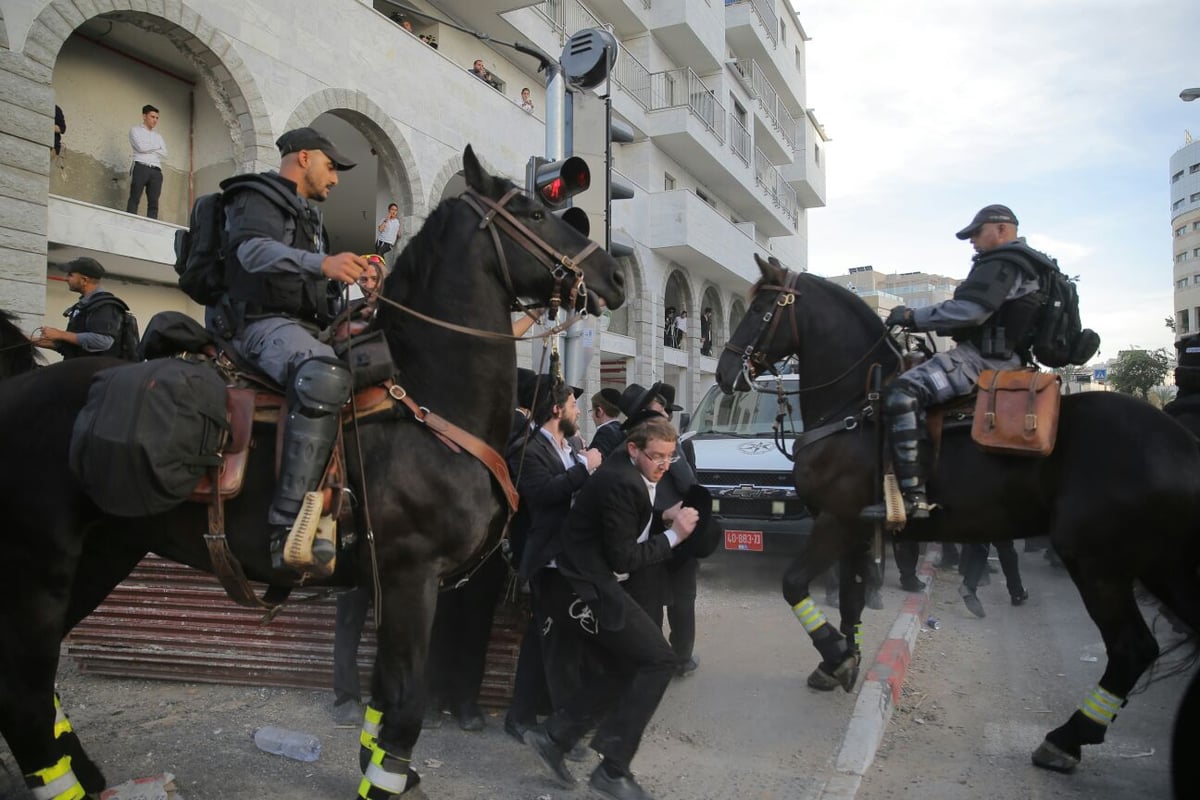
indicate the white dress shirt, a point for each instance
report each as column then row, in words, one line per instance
column 148, row 147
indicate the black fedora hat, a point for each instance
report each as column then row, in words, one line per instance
column 527, row 381
column 667, row 392
column 707, row 534
column 634, row 399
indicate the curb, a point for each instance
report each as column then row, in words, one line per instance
column 880, row 689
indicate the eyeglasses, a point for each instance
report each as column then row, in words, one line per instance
column 661, row 461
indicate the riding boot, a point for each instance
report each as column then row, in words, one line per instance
column 319, row 388
column 906, row 432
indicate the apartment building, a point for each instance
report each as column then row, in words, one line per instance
column 884, row 291
column 726, row 158
column 1185, row 242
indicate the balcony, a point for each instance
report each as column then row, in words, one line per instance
column 691, row 32
column 690, row 232
column 128, row 245
column 751, row 26
column 627, row 17
column 768, row 176
column 806, row 172
column 774, row 125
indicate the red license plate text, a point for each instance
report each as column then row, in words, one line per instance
column 744, row 540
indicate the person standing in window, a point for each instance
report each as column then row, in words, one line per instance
column 149, row 151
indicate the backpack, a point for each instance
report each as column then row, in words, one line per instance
column 1059, row 338
column 200, row 251
column 147, row 434
column 128, row 338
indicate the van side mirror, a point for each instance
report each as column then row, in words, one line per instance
column 685, row 419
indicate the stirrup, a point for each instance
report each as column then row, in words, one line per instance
column 311, row 545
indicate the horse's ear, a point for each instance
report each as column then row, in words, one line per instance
column 476, row 177
column 763, row 266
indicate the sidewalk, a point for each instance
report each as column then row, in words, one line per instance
column 880, row 690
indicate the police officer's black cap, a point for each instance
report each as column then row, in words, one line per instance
column 994, row 213
column 311, row 139
column 88, row 267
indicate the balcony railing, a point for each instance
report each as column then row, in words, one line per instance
column 768, row 99
column 765, row 10
column 632, row 76
column 568, row 16
column 676, row 88
column 739, row 139
column 768, row 177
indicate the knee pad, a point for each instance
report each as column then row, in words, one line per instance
column 320, row 386
column 901, row 397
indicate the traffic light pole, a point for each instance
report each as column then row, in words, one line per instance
column 556, row 112
column 607, row 158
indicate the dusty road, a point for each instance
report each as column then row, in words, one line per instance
column 744, row 725
column 982, row 693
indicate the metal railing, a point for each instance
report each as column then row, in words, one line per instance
column 675, row 88
column 768, row 99
column 739, row 139
column 765, row 10
column 632, row 76
column 767, row 176
column 568, row 17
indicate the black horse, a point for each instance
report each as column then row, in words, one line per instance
column 431, row 509
column 17, row 354
column 1119, row 496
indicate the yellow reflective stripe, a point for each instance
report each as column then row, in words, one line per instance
column 375, row 776
column 61, row 723
column 1101, row 706
column 810, row 616
column 58, row 782
column 372, row 723
column 858, row 635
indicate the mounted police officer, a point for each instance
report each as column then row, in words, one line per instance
column 94, row 323
column 991, row 318
column 277, row 277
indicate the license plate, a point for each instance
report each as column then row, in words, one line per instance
column 744, row 540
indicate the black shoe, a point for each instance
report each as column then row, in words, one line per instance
column 279, row 534
column 911, row 583
column 515, row 729
column 551, row 756
column 470, row 718
column 972, row 602
column 687, row 667
column 1020, row 597
column 622, row 788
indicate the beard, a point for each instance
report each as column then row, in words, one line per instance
column 567, row 427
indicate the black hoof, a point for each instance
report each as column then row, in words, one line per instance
column 844, row 675
column 1051, row 757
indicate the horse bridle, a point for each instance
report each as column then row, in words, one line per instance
column 754, row 358
column 494, row 217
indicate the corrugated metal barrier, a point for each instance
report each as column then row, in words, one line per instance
column 172, row 622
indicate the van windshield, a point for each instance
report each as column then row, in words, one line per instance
column 742, row 413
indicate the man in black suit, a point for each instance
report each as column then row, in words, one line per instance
column 548, row 473
column 609, row 534
column 606, row 413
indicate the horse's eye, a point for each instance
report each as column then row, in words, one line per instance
column 538, row 215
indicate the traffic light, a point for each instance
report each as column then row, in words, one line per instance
column 556, row 182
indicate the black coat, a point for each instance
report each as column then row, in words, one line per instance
column 608, row 438
column 600, row 538
column 546, row 488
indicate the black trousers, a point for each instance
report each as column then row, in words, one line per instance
column 906, row 553
column 550, row 664
column 681, row 613
column 351, row 616
column 150, row 179
column 382, row 248
column 462, row 627
column 637, row 664
column 974, row 564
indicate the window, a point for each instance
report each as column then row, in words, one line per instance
column 1193, row 169
column 817, row 154
column 1175, row 206
column 668, row 181
column 1181, row 257
column 799, row 61
column 1196, row 226
column 1179, row 231
column 1196, row 253
column 1182, row 321
column 782, row 32
column 1181, row 283
column 1195, row 196
column 1175, row 178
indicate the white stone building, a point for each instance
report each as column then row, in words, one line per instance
column 1185, row 243
column 726, row 160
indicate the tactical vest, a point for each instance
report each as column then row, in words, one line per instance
column 1011, row 326
column 265, row 294
column 93, row 317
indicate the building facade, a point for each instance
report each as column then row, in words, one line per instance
column 1185, row 241
column 726, row 157
column 884, row 291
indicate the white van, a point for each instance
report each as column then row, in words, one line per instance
column 754, row 497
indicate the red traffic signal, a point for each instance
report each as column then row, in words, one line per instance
column 556, row 182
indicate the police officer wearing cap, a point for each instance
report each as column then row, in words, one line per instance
column 991, row 318
column 278, row 275
column 94, row 323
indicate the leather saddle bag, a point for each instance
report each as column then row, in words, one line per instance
column 1016, row 412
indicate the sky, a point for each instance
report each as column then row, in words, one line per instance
column 1067, row 111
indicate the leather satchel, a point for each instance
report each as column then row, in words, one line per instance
column 1016, row 412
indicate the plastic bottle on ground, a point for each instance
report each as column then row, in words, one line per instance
column 292, row 744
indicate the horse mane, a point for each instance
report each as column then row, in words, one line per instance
column 15, row 359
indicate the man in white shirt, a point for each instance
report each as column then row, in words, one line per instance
column 149, row 150
column 388, row 231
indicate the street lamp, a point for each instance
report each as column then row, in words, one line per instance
column 1188, row 95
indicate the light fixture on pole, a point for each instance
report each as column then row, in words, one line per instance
column 1188, row 95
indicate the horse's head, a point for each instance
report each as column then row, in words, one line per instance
column 541, row 256
column 760, row 339
column 17, row 353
